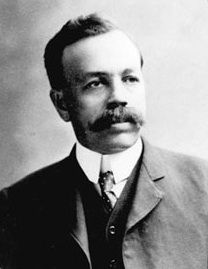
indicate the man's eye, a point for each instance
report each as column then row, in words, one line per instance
column 131, row 79
column 94, row 85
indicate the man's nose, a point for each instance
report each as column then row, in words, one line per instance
column 118, row 93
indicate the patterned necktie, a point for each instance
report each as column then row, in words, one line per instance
column 106, row 182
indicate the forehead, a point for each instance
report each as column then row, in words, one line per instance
column 109, row 52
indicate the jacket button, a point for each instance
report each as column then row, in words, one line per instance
column 112, row 264
column 112, row 229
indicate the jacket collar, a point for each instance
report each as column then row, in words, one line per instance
column 147, row 194
column 152, row 161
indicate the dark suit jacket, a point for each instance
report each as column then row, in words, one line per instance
column 42, row 221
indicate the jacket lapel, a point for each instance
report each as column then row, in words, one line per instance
column 147, row 194
column 78, row 226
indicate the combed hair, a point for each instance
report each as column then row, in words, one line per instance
column 71, row 32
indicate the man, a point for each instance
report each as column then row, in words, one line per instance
column 116, row 201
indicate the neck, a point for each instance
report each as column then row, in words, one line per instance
column 122, row 163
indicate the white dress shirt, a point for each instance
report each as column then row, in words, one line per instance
column 121, row 163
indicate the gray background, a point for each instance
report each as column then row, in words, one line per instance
column 173, row 36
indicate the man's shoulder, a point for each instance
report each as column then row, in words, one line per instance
column 178, row 166
column 183, row 173
column 182, row 160
column 44, row 180
column 172, row 157
column 42, row 175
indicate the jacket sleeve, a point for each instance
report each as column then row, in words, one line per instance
column 6, row 238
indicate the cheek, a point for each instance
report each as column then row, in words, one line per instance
column 137, row 99
column 88, row 110
column 92, row 103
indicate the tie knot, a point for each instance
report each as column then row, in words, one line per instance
column 106, row 181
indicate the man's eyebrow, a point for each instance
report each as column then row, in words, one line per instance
column 87, row 75
column 127, row 71
column 94, row 74
column 81, row 77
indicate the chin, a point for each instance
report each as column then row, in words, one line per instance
column 117, row 144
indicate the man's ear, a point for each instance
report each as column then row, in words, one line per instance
column 57, row 97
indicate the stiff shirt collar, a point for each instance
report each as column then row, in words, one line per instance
column 122, row 163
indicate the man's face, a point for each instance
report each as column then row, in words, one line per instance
column 105, row 94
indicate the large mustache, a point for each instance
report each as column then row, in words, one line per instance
column 116, row 115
